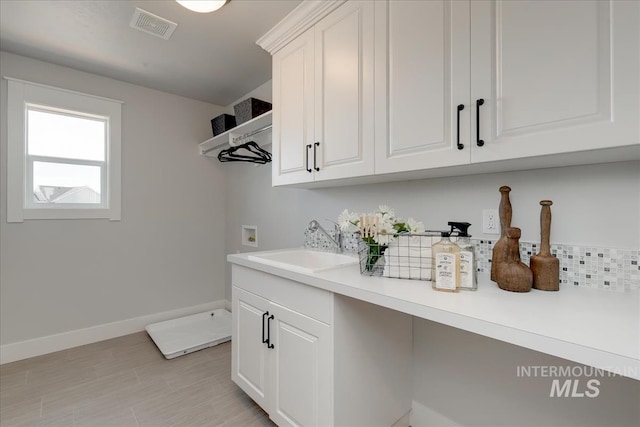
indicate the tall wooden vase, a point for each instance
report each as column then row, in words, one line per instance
column 505, row 213
column 545, row 267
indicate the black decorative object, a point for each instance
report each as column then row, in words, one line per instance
column 222, row 123
column 250, row 108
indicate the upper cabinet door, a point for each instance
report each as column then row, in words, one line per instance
column 293, row 69
column 422, row 75
column 344, row 92
column 556, row 76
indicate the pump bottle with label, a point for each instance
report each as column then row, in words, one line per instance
column 446, row 264
column 467, row 278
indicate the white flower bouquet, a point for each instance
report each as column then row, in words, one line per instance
column 387, row 228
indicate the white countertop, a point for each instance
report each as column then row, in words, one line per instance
column 589, row 326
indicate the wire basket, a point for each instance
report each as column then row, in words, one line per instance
column 405, row 256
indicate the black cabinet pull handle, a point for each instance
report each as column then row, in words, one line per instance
column 269, row 345
column 315, row 156
column 479, row 102
column 460, row 108
column 264, row 340
column 307, row 162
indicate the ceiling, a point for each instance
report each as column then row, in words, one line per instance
column 212, row 57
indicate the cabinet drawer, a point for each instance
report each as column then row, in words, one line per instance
column 313, row 302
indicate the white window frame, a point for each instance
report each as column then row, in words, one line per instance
column 22, row 95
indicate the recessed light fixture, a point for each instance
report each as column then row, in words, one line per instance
column 202, row 6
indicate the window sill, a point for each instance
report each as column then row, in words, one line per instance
column 87, row 213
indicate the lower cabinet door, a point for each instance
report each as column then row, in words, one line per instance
column 249, row 353
column 300, row 370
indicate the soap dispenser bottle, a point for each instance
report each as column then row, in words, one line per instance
column 446, row 264
column 468, row 276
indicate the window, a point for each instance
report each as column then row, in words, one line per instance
column 63, row 154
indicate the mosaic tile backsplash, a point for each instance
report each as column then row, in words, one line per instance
column 586, row 266
column 317, row 240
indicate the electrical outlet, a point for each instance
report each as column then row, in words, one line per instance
column 490, row 221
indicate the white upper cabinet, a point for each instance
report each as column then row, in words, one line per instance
column 323, row 99
column 364, row 88
column 293, row 117
column 422, row 75
column 344, row 92
column 556, row 76
column 543, row 77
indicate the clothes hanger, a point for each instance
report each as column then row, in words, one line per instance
column 252, row 145
column 233, row 157
column 247, row 152
column 253, row 153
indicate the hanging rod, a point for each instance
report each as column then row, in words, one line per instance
column 235, row 139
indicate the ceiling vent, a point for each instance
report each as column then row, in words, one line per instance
column 152, row 24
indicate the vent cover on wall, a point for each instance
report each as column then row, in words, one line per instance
column 152, row 24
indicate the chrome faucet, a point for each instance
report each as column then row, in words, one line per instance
column 315, row 226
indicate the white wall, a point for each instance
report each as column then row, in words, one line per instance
column 166, row 253
column 595, row 205
column 462, row 378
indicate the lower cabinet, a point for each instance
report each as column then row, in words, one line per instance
column 283, row 361
column 312, row 358
column 250, row 353
column 300, row 369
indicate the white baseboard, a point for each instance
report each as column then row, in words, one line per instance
column 49, row 344
column 423, row 416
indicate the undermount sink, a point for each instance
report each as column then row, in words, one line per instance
column 304, row 260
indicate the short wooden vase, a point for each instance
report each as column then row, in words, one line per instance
column 512, row 274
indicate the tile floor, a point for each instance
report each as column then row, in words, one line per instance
column 125, row 382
